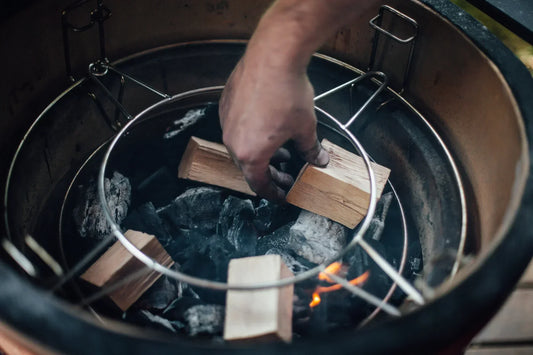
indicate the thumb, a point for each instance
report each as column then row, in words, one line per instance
column 310, row 148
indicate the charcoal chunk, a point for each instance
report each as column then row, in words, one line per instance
column 204, row 319
column 159, row 187
column 88, row 213
column 195, row 208
column 190, row 118
column 377, row 223
column 145, row 219
column 264, row 213
column 235, row 225
column 295, row 263
column 316, row 238
column 163, row 292
column 276, row 240
column 147, row 319
column 176, row 310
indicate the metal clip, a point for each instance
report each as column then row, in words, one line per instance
column 376, row 24
column 97, row 17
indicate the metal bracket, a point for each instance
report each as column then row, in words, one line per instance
column 97, row 17
column 376, row 24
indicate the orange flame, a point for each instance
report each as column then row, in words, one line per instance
column 334, row 269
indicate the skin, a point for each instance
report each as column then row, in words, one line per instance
column 268, row 98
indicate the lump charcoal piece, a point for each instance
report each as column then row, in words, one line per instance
column 145, row 219
column 264, row 214
column 277, row 239
column 204, row 319
column 181, row 124
column 195, row 208
column 378, row 282
column 235, row 224
column 162, row 293
column 146, row 319
column 377, row 223
column 176, row 310
column 316, row 238
column 159, row 187
column 88, row 214
column 294, row 263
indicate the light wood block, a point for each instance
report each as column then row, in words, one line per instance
column 117, row 263
column 341, row 190
column 512, row 323
column 527, row 276
column 211, row 163
column 259, row 314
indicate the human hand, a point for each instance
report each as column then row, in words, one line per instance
column 263, row 106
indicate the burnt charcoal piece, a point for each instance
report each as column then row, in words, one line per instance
column 204, row 319
column 145, row 219
column 316, row 238
column 235, row 225
column 263, row 216
column 295, row 263
column 195, row 208
column 189, row 119
column 277, row 239
column 163, row 292
column 147, row 319
column 88, row 213
column 378, row 282
column 158, row 188
column 377, row 223
column 176, row 310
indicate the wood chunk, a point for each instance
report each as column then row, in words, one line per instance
column 258, row 314
column 117, row 263
column 512, row 323
column 211, row 163
column 340, row 191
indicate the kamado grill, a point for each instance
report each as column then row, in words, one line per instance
column 418, row 87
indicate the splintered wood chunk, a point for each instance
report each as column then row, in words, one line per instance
column 341, row 190
column 211, row 163
column 117, row 264
column 258, row 314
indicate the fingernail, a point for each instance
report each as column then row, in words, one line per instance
column 323, row 158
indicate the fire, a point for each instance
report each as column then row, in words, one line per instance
column 334, row 268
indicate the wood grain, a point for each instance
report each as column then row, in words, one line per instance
column 340, row 191
column 118, row 263
column 512, row 323
column 259, row 314
column 211, row 163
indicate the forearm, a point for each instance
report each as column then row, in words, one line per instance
column 292, row 30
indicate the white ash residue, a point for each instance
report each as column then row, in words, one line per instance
column 316, row 238
column 204, row 318
column 179, row 125
column 88, row 213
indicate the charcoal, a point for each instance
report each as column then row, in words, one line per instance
column 295, row 263
column 158, row 188
column 164, row 291
column 181, row 124
column 316, row 238
column 277, row 239
column 88, row 213
column 145, row 219
column 204, row 319
column 235, row 225
column 176, row 310
column 145, row 318
column 377, row 223
column 195, row 208
column 378, row 282
column 264, row 214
